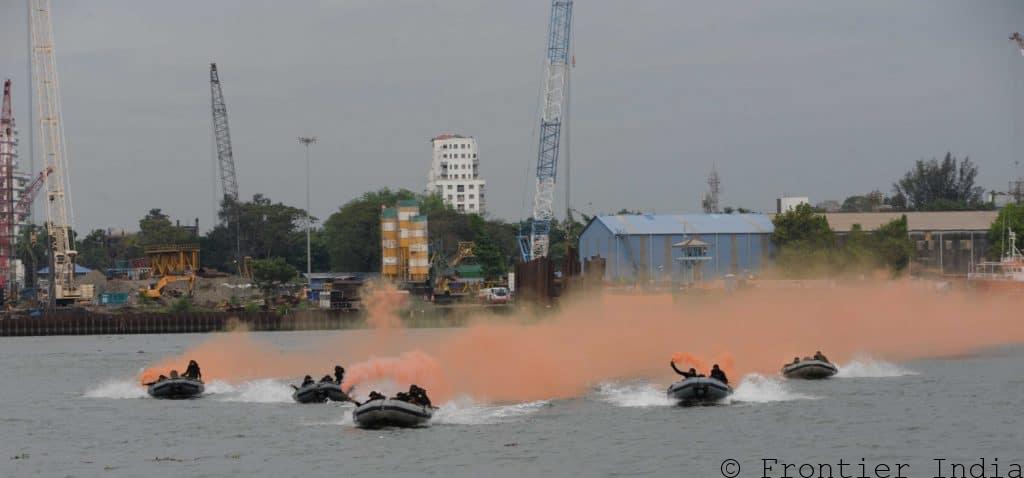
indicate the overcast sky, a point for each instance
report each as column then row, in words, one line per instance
column 824, row 99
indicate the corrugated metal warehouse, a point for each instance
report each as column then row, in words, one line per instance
column 661, row 248
column 946, row 243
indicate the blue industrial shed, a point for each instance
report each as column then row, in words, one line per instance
column 651, row 248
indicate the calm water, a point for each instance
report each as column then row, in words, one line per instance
column 69, row 409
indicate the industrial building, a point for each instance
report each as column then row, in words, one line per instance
column 455, row 173
column 405, row 253
column 677, row 248
column 789, row 203
column 947, row 243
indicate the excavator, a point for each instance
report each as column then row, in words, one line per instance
column 156, row 289
column 447, row 286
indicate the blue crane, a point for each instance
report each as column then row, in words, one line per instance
column 556, row 82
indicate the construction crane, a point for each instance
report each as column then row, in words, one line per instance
column 8, row 149
column 556, row 84
column 23, row 207
column 63, row 290
column 447, row 286
column 225, row 157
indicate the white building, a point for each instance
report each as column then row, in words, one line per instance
column 789, row 203
column 455, row 173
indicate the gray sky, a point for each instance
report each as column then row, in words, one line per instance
column 824, row 99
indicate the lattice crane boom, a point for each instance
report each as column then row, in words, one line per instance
column 8, row 145
column 24, row 205
column 50, row 130
column 555, row 85
column 225, row 156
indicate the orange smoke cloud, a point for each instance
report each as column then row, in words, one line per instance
column 410, row 367
column 684, row 361
column 614, row 337
column 383, row 301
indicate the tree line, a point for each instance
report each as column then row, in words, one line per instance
column 931, row 185
column 808, row 247
column 347, row 241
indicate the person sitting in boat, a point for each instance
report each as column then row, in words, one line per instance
column 419, row 396
column 307, row 380
column 820, row 356
column 192, row 372
column 174, row 374
column 718, row 374
column 402, row 396
column 375, row 396
column 796, row 360
column 339, row 374
column 326, row 379
column 692, row 373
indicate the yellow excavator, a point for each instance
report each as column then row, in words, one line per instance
column 171, row 263
column 156, row 289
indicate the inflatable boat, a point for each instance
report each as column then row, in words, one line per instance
column 176, row 388
column 320, row 392
column 809, row 370
column 698, row 391
column 388, row 412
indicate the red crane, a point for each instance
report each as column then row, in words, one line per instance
column 12, row 211
column 7, row 151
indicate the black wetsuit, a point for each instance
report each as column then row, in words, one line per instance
column 339, row 376
column 192, row 372
column 719, row 375
column 821, row 357
column 680, row 372
column 419, row 396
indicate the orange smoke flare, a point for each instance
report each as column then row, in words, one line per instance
column 593, row 340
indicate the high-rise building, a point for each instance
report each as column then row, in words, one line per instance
column 455, row 173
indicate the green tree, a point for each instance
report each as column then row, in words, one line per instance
column 1010, row 218
column 31, row 251
column 270, row 274
column 802, row 225
column 856, row 253
column 93, row 251
column 487, row 251
column 937, row 186
column 805, row 242
column 262, row 229
column 353, row 232
column 892, row 245
column 157, row 228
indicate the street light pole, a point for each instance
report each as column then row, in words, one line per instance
column 306, row 141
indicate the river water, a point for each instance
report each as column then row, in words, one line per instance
column 70, row 407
